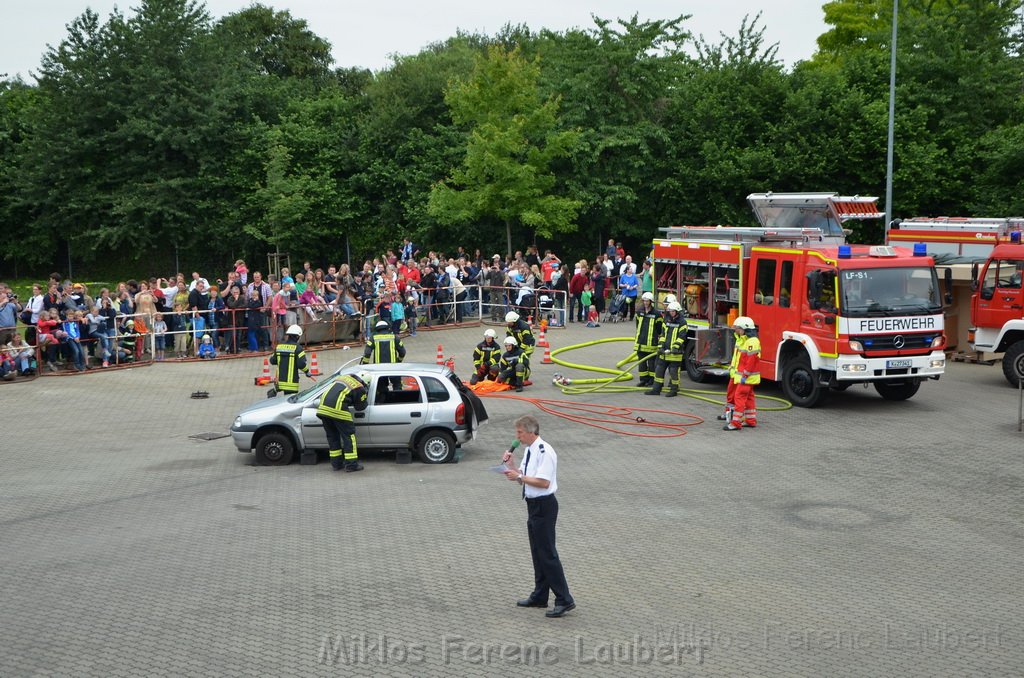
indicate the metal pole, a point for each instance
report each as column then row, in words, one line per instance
column 892, row 116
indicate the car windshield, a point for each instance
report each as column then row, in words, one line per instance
column 870, row 292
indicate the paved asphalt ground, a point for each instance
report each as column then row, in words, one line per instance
column 861, row 538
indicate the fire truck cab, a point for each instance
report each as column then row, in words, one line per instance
column 828, row 314
column 997, row 302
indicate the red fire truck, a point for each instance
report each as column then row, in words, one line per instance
column 997, row 304
column 829, row 315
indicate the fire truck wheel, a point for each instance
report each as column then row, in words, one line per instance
column 1013, row 363
column 800, row 383
column 901, row 390
column 693, row 370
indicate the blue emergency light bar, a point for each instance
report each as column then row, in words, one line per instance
column 845, row 252
column 1015, row 237
column 920, row 249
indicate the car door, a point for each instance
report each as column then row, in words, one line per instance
column 396, row 409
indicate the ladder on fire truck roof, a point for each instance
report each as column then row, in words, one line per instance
column 744, row 234
column 1001, row 226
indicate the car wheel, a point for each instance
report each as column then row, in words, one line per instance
column 274, row 449
column 800, row 383
column 903, row 390
column 436, row 447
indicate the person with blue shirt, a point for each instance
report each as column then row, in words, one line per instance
column 629, row 286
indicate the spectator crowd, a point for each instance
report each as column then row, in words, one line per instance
column 65, row 326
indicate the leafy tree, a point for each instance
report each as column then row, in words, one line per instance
column 513, row 141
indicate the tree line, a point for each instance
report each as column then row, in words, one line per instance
column 166, row 130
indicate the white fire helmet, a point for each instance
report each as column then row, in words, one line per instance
column 675, row 306
column 363, row 376
column 511, row 317
column 669, row 298
column 490, row 334
column 647, row 296
column 743, row 322
column 382, row 325
column 511, row 341
column 294, row 331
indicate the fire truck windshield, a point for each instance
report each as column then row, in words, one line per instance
column 866, row 292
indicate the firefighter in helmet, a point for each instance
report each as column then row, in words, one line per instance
column 290, row 359
column 744, row 374
column 486, row 356
column 347, row 392
column 384, row 347
column 520, row 329
column 670, row 352
column 649, row 328
column 514, row 368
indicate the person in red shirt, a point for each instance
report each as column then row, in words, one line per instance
column 578, row 281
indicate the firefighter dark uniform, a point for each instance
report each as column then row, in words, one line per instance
column 486, row 357
column 744, row 374
column 290, row 359
column 670, row 352
column 519, row 329
column 383, row 347
column 513, row 368
column 333, row 410
column 649, row 328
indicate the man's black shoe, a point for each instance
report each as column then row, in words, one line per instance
column 560, row 610
column 352, row 468
column 530, row 602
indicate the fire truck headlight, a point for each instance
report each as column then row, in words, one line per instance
column 935, row 364
column 857, row 346
column 855, row 368
column 937, row 341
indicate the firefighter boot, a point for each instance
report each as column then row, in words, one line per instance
column 474, row 379
column 654, row 390
column 673, row 391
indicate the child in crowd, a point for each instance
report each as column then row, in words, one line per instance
column 593, row 317
column 98, row 332
column 586, row 296
column 397, row 314
column 22, row 355
column 206, row 348
column 242, row 271
column 47, row 328
column 159, row 335
column 8, row 369
column 72, row 342
column 125, row 350
column 410, row 314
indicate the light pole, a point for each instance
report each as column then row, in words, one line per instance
column 892, row 116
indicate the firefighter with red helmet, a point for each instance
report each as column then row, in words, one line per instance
column 744, row 374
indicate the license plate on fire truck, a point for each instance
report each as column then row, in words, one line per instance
column 898, row 363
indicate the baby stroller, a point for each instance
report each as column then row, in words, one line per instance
column 545, row 303
column 616, row 309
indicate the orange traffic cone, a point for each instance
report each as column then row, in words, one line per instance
column 542, row 337
column 314, row 365
column 440, row 355
column 547, row 354
column 264, row 378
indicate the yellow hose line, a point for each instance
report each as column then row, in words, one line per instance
column 621, row 373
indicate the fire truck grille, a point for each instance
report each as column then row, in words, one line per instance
column 895, row 342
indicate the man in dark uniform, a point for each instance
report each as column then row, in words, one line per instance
column 513, row 368
column 519, row 329
column 670, row 352
column 290, row 359
column 384, row 347
column 538, row 476
column 486, row 356
column 649, row 328
column 347, row 391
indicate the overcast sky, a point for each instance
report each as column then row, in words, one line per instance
column 366, row 33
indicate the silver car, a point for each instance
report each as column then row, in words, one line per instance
column 416, row 406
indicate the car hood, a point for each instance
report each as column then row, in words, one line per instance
column 278, row 404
